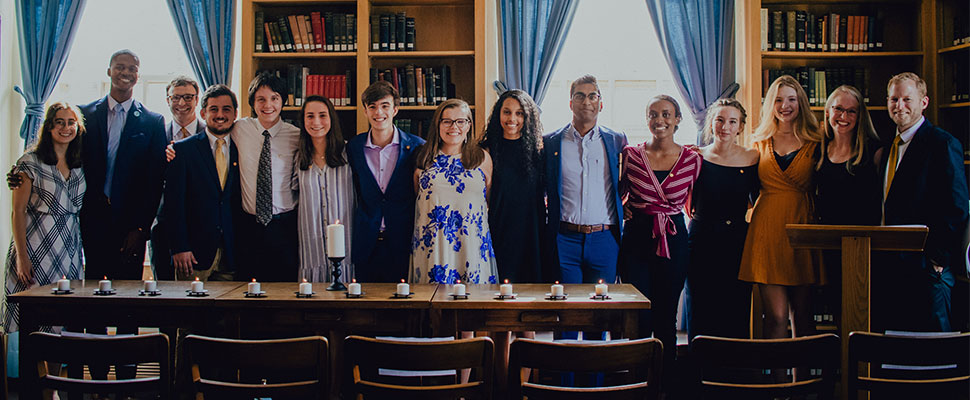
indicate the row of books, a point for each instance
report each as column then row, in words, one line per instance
column 820, row 82
column 413, row 126
column 961, row 28
column 796, row 30
column 418, row 86
column 306, row 33
column 301, row 84
column 392, row 32
column 961, row 80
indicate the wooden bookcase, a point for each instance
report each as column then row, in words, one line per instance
column 952, row 66
column 448, row 32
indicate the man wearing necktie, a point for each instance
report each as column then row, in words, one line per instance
column 923, row 183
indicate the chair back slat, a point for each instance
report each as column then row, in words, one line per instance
column 637, row 391
column 401, row 355
column 909, row 365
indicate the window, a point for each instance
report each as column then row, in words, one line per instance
column 616, row 43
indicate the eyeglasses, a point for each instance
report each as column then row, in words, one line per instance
column 847, row 111
column 580, row 96
column 460, row 123
column 184, row 97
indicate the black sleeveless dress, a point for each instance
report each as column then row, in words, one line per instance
column 516, row 211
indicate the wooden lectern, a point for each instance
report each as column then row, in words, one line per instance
column 856, row 243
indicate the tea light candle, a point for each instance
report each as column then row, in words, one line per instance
column 335, row 240
column 63, row 284
column 556, row 290
column 354, row 288
column 197, row 285
column 601, row 289
column 403, row 289
column 253, row 287
column 104, row 285
column 151, row 285
column 505, row 289
column 306, row 287
column 459, row 288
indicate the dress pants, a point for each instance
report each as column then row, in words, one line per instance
column 267, row 253
column 382, row 265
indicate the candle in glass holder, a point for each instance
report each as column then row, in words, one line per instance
column 459, row 288
column 403, row 289
column 306, row 287
column 601, row 289
column 354, row 288
column 505, row 289
column 196, row 285
column 104, row 285
column 556, row 290
column 63, row 284
column 253, row 287
column 151, row 285
column 335, row 240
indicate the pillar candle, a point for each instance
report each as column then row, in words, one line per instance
column 403, row 289
column 253, row 287
column 151, row 286
column 459, row 288
column 335, row 240
column 601, row 289
column 353, row 288
column 63, row 284
column 104, row 285
column 196, row 285
column 306, row 287
column 505, row 289
column 556, row 290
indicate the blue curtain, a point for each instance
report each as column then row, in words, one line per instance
column 206, row 30
column 697, row 38
column 533, row 32
column 47, row 29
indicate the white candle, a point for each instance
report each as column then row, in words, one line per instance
column 196, row 286
column 459, row 288
column 601, row 289
column 335, row 240
column 403, row 289
column 306, row 287
column 353, row 288
column 104, row 285
column 151, row 286
column 253, row 287
column 556, row 290
column 505, row 289
column 63, row 284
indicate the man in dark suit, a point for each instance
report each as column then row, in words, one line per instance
column 924, row 183
column 202, row 193
column 182, row 95
column 382, row 161
column 124, row 163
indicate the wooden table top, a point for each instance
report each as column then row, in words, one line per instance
column 533, row 296
column 375, row 295
column 126, row 292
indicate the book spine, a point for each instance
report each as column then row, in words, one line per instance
column 447, row 91
column 411, row 95
column 259, row 39
column 419, row 79
column 286, row 34
column 375, row 32
column 843, row 31
column 347, row 87
column 304, row 73
column 311, row 38
column 270, row 46
column 292, row 70
column 295, row 32
column 278, row 37
column 409, row 34
column 392, row 31
column 812, row 96
column 823, row 28
column 329, row 31
column 401, row 28
column 792, row 26
column 764, row 29
column 317, row 30
column 353, row 32
column 810, row 32
column 778, row 27
column 385, row 32
column 800, row 30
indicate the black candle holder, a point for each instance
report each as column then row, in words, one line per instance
column 594, row 296
column 149, row 292
column 203, row 293
column 60, row 292
column 108, row 292
column 335, row 285
column 499, row 296
column 304, row 295
column 550, row 296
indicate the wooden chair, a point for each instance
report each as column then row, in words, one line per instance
column 280, row 368
column 642, row 359
column 905, row 353
column 82, row 350
column 714, row 358
column 365, row 356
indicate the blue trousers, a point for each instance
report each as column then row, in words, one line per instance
column 587, row 257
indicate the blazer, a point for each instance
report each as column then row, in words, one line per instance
column 138, row 173
column 929, row 187
column 395, row 205
column 158, row 229
column 198, row 211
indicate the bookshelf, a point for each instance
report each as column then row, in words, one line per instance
column 447, row 32
column 952, row 62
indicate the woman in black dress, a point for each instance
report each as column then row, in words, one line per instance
column 720, row 303
column 513, row 137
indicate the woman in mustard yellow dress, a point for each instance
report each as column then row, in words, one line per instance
column 787, row 138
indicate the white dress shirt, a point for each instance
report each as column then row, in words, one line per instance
column 284, row 141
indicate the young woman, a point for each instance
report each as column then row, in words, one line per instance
column 46, row 242
column 513, row 138
column 786, row 139
column 720, row 304
column 326, row 190
column 658, row 175
column 452, row 174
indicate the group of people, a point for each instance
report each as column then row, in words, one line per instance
column 252, row 197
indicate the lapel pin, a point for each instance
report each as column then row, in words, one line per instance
column 407, row 147
column 555, row 153
column 137, row 113
column 235, row 164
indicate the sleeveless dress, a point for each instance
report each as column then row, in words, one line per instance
column 53, row 233
column 451, row 238
column 786, row 198
column 516, row 212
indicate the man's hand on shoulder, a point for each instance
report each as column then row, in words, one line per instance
column 14, row 180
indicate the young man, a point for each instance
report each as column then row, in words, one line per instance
column 202, row 194
column 382, row 161
column 924, row 183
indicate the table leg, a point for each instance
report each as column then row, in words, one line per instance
column 28, row 373
column 336, row 342
column 855, row 301
column 500, row 370
column 630, row 320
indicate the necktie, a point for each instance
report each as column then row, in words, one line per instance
column 893, row 160
column 114, row 141
column 264, row 184
column 221, row 162
column 184, row 133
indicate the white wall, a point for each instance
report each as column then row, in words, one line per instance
column 11, row 115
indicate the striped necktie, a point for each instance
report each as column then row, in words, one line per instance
column 264, row 184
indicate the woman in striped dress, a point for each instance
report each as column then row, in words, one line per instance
column 657, row 176
column 326, row 192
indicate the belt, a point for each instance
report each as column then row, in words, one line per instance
column 380, row 235
column 566, row 226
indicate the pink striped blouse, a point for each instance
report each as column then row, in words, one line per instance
column 645, row 194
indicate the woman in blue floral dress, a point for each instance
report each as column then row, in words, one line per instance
column 451, row 239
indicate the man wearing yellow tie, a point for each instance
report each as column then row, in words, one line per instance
column 923, row 183
column 202, row 193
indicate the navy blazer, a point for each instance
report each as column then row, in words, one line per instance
column 138, row 172
column 395, row 205
column 929, row 188
column 198, row 211
column 551, row 149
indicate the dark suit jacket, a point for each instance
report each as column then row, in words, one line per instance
column 929, row 188
column 198, row 211
column 161, row 257
column 395, row 205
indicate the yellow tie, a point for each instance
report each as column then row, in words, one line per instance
column 221, row 162
column 183, row 133
column 893, row 160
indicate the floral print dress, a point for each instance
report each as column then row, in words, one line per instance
column 451, row 239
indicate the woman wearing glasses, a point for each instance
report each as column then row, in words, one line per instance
column 451, row 239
